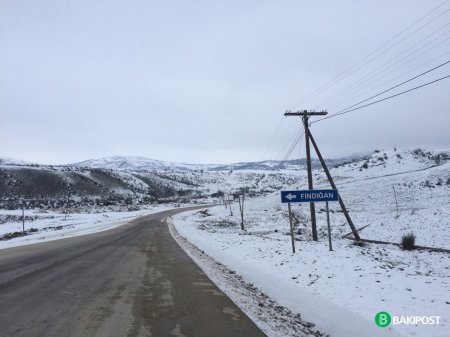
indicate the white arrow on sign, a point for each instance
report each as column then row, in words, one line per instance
column 291, row 196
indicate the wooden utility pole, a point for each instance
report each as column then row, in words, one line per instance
column 305, row 116
column 241, row 209
column 308, row 137
column 395, row 196
column 229, row 204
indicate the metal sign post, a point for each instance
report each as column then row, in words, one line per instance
column 292, row 228
column 328, row 225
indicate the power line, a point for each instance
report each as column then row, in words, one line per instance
column 294, row 144
column 394, row 61
column 381, row 100
column 358, row 64
column 287, row 145
column 273, row 139
column 343, row 100
column 432, row 15
column 298, row 139
column 396, row 86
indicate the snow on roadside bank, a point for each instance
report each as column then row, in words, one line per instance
column 339, row 291
column 53, row 226
column 272, row 318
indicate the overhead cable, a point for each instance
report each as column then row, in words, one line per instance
column 381, row 100
column 396, row 86
column 369, row 57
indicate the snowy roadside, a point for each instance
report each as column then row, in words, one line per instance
column 339, row 291
column 272, row 318
column 49, row 225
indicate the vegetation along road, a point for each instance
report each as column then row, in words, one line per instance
column 130, row 281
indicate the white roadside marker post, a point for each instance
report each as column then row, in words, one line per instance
column 328, row 225
column 23, row 217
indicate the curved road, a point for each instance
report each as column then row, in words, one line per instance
column 130, row 281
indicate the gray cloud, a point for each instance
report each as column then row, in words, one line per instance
column 207, row 81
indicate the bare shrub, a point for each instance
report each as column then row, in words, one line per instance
column 408, row 241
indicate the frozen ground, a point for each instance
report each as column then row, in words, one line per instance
column 50, row 225
column 342, row 290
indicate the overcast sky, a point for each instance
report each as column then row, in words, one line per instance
column 209, row 81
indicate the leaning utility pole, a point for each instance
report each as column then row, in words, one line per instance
column 333, row 186
column 305, row 116
column 308, row 137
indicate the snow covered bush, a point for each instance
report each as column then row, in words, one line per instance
column 408, row 241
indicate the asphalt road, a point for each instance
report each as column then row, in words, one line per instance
column 130, row 281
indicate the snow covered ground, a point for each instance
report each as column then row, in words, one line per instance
column 342, row 290
column 314, row 291
column 50, row 225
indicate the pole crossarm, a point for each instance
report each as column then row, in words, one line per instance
column 306, row 113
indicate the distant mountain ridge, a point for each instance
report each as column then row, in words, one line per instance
column 135, row 163
column 126, row 163
column 131, row 163
column 128, row 181
column 13, row 161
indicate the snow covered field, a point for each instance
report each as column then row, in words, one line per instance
column 50, row 225
column 342, row 290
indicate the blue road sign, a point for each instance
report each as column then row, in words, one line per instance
column 309, row 196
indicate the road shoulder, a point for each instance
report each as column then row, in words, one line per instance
column 272, row 318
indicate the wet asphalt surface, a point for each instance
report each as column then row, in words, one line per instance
column 130, row 281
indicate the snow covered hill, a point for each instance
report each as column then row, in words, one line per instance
column 126, row 163
column 13, row 161
column 353, row 282
column 49, row 186
column 136, row 179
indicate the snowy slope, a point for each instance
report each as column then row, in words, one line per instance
column 339, row 291
column 49, row 186
column 52, row 225
column 127, row 163
column 13, row 161
column 352, row 283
